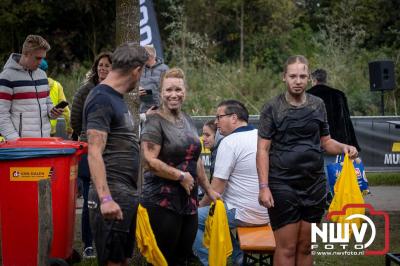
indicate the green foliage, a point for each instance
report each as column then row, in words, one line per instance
column 215, row 82
column 338, row 51
column 72, row 81
column 76, row 30
column 186, row 47
column 204, row 38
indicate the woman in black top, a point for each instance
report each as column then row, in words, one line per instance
column 293, row 133
column 171, row 148
column 98, row 72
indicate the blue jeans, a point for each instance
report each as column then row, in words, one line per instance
column 202, row 252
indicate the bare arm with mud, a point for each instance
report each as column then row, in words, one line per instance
column 97, row 142
column 160, row 168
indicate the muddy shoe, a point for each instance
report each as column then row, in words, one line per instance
column 88, row 253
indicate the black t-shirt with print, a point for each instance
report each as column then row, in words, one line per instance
column 295, row 134
column 180, row 148
column 105, row 110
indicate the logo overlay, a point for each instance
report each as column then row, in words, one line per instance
column 336, row 238
column 30, row 173
column 394, row 157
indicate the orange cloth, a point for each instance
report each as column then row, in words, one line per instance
column 217, row 237
column 146, row 240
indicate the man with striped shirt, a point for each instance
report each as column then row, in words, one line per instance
column 25, row 105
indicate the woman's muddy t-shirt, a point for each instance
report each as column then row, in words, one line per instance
column 295, row 134
column 180, row 148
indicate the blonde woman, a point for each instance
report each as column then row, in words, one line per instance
column 171, row 149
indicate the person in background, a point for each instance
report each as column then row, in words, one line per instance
column 150, row 82
column 25, row 104
column 113, row 156
column 98, row 72
column 211, row 139
column 340, row 126
column 235, row 177
column 292, row 136
column 57, row 96
column 173, row 171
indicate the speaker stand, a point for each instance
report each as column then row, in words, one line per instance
column 382, row 103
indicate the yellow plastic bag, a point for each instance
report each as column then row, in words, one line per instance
column 146, row 240
column 217, row 237
column 347, row 191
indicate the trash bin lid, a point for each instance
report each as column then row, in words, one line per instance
column 26, row 153
column 24, row 148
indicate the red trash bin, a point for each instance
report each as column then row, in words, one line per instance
column 23, row 163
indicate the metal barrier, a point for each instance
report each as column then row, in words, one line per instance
column 378, row 137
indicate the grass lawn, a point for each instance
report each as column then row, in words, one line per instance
column 383, row 179
column 374, row 179
column 137, row 258
column 333, row 260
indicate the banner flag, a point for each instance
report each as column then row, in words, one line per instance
column 149, row 32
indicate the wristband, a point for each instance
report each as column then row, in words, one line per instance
column 181, row 176
column 263, row 185
column 106, row 199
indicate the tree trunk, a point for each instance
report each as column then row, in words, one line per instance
column 241, row 37
column 183, row 43
column 127, row 29
column 127, row 21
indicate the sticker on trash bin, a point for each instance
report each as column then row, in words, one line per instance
column 29, row 173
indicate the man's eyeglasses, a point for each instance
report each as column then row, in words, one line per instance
column 218, row 117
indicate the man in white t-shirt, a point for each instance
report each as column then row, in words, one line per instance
column 235, row 177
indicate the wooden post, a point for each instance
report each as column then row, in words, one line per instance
column 45, row 230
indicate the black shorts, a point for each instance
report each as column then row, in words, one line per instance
column 114, row 239
column 296, row 200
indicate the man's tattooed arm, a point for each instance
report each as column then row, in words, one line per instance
column 97, row 142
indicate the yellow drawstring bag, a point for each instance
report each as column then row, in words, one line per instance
column 146, row 240
column 217, row 237
column 347, row 191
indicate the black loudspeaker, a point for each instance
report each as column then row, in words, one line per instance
column 381, row 75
